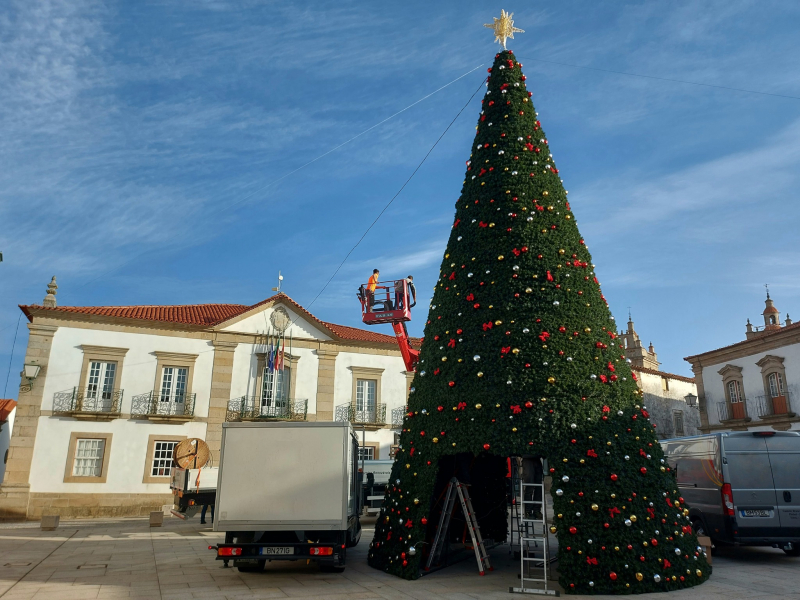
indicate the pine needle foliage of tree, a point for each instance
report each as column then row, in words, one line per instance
column 521, row 357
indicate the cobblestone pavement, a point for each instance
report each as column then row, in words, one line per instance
column 126, row 558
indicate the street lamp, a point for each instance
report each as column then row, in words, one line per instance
column 691, row 400
column 29, row 372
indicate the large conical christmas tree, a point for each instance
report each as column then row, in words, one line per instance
column 521, row 357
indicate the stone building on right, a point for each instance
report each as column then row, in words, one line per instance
column 753, row 384
column 670, row 399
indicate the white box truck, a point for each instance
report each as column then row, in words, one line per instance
column 287, row 491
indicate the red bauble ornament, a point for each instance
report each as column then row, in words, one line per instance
column 573, row 530
column 424, row 521
column 654, row 542
column 630, row 547
column 486, row 446
column 405, row 563
column 613, row 576
column 614, row 477
column 440, row 408
column 451, row 383
column 643, row 470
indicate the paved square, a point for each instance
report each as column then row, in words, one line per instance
column 125, row 558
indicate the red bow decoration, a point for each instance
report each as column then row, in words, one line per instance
column 516, row 409
column 462, row 406
column 516, row 252
column 592, row 453
column 452, row 275
column 543, row 336
column 645, row 414
column 470, row 297
column 651, row 512
column 456, row 223
column 611, row 366
column 642, row 452
column 549, row 276
column 488, row 325
column 591, row 561
column 634, row 377
column 667, row 564
column 606, row 409
column 603, row 378
column 669, row 502
column 409, row 523
column 412, row 452
column 506, row 350
column 436, row 371
column 482, row 172
column 482, row 224
column 451, row 343
column 613, row 511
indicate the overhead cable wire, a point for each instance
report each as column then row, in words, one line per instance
column 669, row 79
column 388, row 204
column 274, row 182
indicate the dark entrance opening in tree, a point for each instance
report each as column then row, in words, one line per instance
column 521, row 357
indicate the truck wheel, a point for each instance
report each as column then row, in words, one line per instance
column 256, row 568
column 331, row 569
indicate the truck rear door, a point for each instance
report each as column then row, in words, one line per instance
column 784, row 456
column 749, row 473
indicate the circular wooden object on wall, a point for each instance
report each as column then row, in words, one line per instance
column 191, row 453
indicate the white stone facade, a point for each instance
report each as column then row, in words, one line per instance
column 223, row 361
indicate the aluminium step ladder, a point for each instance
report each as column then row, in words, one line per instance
column 534, row 547
column 456, row 488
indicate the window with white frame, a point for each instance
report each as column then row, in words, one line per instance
column 275, row 388
column 366, row 453
column 734, row 392
column 366, row 390
column 162, row 458
column 88, row 458
column 775, row 382
column 173, row 384
column 100, row 380
column 677, row 421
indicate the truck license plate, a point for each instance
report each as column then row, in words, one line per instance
column 756, row 513
column 277, row 550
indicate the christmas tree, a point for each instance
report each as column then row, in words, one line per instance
column 521, row 357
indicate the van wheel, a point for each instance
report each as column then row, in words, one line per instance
column 331, row 569
column 795, row 551
column 699, row 529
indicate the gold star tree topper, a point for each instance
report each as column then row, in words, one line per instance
column 503, row 28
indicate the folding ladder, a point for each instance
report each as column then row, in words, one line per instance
column 456, row 488
column 534, row 548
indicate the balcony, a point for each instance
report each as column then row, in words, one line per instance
column 770, row 408
column 89, row 404
column 371, row 418
column 734, row 413
column 163, row 407
column 251, row 408
column 398, row 416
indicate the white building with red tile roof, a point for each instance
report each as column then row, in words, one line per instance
column 119, row 386
column 753, row 384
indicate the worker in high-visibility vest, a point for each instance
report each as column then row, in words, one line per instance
column 371, row 285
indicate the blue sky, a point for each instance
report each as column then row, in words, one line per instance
column 141, row 142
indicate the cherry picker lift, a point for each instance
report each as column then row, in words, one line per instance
column 389, row 303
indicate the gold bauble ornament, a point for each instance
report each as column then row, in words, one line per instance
column 639, row 577
column 633, row 518
column 551, row 380
column 595, row 507
column 435, row 440
column 416, row 500
column 479, row 406
column 699, row 573
column 552, row 529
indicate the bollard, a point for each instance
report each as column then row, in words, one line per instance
column 50, row 522
column 156, row 518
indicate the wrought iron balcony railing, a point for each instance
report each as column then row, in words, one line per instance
column 398, row 415
column 154, row 405
column 251, row 408
column 375, row 415
column 89, row 401
column 732, row 411
column 768, row 406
